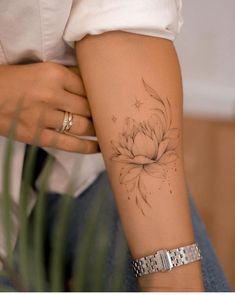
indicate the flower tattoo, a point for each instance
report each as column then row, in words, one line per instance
column 146, row 147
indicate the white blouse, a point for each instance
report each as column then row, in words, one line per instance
column 45, row 30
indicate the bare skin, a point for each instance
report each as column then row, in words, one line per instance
column 37, row 95
column 136, row 80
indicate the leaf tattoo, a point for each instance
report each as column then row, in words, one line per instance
column 146, row 148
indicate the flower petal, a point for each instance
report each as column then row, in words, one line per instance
column 122, row 140
column 139, row 144
column 130, row 172
column 173, row 136
column 144, row 145
column 154, row 170
column 168, row 157
column 141, row 160
column 129, row 143
column 121, row 158
column 162, row 148
column 115, row 149
column 125, row 152
column 157, row 123
column 130, row 127
column 143, row 190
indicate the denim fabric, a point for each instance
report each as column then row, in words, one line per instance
column 213, row 275
column 214, row 278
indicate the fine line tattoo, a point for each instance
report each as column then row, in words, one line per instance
column 146, row 148
column 137, row 104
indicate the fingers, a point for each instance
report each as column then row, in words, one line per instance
column 81, row 125
column 75, row 70
column 61, row 141
column 72, row 103
column 73, row 82
column 44, row 137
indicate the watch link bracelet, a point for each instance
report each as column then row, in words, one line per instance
column 165, row 260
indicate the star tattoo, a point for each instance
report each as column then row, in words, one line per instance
column 137, row 104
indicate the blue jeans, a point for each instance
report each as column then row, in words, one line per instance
column 214, row 278
column 213, row 275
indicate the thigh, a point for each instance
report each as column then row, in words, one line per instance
column 6, row 285
column 213, row 275
column 80, row 215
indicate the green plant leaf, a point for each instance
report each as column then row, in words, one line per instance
column 99, row 247
column 80, row 268
column 59, row 234
column 39, row 226
column 6, row 196
column 24, row 256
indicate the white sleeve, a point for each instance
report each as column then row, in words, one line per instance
column 160, row 18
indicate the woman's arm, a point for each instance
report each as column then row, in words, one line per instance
column 133, row 84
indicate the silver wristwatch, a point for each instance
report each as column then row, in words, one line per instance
column 165, row 260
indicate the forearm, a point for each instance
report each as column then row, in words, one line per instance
column 133, row 84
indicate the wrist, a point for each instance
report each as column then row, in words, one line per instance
column 185, row 278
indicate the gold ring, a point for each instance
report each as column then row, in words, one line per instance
column 67, row 122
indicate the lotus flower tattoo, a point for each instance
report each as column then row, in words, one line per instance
column 146, row 147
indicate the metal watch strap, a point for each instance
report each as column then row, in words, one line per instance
column 165, row 260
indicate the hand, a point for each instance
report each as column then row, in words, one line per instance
column 36, row 96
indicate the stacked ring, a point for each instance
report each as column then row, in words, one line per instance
column 67, row 122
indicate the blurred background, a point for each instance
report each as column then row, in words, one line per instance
column 206, row 49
